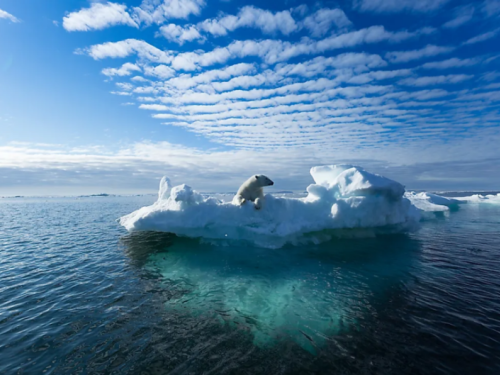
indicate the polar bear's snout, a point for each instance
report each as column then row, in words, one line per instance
column 263, row 180
column 268, row 182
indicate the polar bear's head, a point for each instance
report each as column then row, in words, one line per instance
column 262, row 180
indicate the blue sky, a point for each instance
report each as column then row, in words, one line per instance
column 99, row 96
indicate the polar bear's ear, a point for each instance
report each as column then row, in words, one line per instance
column 256, row 177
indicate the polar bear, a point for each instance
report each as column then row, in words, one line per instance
column 252, row 190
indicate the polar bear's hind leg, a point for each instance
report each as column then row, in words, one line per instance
column 238, row 200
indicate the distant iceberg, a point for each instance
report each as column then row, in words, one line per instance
column 345, row 200
column 429, row 202
column 479, row 198
column 433, row 203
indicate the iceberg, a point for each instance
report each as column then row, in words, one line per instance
column 345, row 200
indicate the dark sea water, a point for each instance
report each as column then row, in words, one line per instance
column 80, row 295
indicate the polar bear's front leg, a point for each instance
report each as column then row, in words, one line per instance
column 258, row 203
column 259, row 200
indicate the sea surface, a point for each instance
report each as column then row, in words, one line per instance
column 79, row 295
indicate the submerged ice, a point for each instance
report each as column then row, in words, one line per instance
column 344, row 200
column 298, row 294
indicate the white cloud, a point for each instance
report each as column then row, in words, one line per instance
column 491, row 86
column 249, row 16
column 490, row 76
column 8, row 16
column 97, row 17
column 322, row 20
column 273, row 51
column 146, row 90
column 179, row 34
column 462, row 15
column 357, row 62
column 373, row 34
column 125, row 48
column 435, row 80
column 491, row 8
column 245, row 82
column 160, row 71
column 103, row 15
column 378, row 76
column 139, row 79
column 482, row 37
column 405, row 56
column 301, row 10
column 125, row 86
column 154, row 107
column 213, row 26
column 393, row 6
column 121, row 93
column 137, row 168
column 454, row 62
column 157, row 11
column 125, row 70
column 319, row 86
column 291, row 114
column 270, row 50
column 186, row 81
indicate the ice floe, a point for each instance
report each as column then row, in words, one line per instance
column 345, row 200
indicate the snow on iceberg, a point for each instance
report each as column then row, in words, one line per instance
column 345, row 200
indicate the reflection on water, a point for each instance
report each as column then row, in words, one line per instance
column 303, row 294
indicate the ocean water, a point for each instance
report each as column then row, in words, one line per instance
column 78, row 294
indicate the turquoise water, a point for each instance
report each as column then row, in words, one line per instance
column 80, row 295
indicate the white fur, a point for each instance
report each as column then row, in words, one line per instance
column 252, row 190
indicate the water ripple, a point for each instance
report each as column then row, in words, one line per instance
column 78, row 295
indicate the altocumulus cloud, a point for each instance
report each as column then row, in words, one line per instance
column 394, row 6
column 103, row 15
column 302, row 86
column 97, row 17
